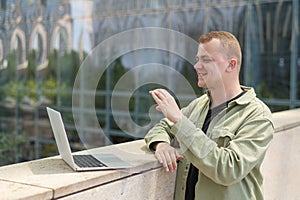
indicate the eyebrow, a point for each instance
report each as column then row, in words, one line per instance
column 203, row 57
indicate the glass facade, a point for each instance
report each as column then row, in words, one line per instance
column 44, row 43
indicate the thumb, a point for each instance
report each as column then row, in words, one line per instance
column 179, row 157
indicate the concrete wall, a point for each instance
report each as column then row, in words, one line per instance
column 281, row 167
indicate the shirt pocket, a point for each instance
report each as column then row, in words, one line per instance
column 222, row 137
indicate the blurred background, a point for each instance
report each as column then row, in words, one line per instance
column 43, row 43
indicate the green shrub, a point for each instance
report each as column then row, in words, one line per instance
column 11, row 147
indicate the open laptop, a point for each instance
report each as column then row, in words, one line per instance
column 85, row 162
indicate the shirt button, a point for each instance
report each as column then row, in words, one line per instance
column 182, row 188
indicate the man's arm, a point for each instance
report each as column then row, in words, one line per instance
column 159, row 137
column 158, row 140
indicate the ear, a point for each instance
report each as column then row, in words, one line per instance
column 231, row 66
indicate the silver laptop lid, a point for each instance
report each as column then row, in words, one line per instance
column 60, row 136
column 110, row 160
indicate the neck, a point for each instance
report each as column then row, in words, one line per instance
column 223, row 94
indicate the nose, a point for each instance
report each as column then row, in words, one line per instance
column 198, row 65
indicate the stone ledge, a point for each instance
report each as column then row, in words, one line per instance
column 12, row 190
column 53, row 173
column 286, row 119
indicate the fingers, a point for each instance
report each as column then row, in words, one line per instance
column 158, row 98
column 159, row 93
column 155, row 96
column 168, row 162
column 162, row 98
column 179, row 157
column 168, row 157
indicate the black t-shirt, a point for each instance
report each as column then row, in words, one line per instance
column 193, row 171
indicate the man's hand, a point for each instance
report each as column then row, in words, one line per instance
column 167, row 156
column 167, row 105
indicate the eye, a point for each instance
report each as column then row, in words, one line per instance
column 207, row 60
column 196, row 59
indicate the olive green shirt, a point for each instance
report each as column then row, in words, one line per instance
column 229, row 155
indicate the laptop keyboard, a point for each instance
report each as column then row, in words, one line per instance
column 87, row 161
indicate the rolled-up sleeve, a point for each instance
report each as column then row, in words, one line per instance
column 159, row 133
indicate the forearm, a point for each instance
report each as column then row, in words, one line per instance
column 159, row 133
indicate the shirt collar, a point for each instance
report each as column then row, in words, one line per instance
column 244, row 99
column 247, row 97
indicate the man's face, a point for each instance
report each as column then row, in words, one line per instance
column 210, row 65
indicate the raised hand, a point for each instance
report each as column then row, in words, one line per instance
column 166, row 104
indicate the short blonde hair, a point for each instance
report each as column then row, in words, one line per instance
column 228, row 41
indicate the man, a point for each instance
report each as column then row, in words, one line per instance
column 223, row 135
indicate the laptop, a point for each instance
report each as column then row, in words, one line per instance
column 86, row 162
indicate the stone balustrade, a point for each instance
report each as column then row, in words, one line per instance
column 52, row 178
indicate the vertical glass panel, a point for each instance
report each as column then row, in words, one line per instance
column 153, row 4
column 193, row 2
column 122, row 6
column 100, row 7
column 298, row 58
column 174, row 3
column 159, row 19
column 190, row 22
column 122, row 23
column 228, row 2
column 228, row 18
column 271, row 42
column 297, row 34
